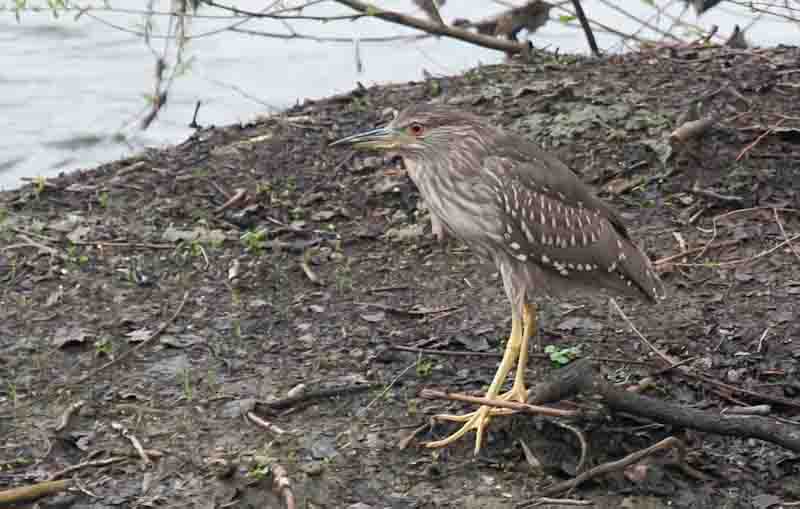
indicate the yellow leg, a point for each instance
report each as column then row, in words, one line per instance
column 479, row 419
column 518, row 391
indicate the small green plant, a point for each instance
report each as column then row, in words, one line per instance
column 254, row 241
column 562, row 356
column 424, row 367
column 39, row 184
column 344, row 277
column 12, row 394
column 192, row 249
column 186, row 382
column 104, row 199
column 75, row 257
column 259, row 471
column 103, row 347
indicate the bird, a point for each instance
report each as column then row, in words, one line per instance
column 520, row 207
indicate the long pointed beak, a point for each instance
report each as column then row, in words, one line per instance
column 381, row 138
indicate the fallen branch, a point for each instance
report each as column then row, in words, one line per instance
column 580, row 377
column 86, row 464
column 685, row 371
column 614, row 466
column 510, row 47
column 291, row 401
column 31, row 493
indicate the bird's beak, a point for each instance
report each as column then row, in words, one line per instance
column 384, row 138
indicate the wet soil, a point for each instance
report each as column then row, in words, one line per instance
column 323, row 262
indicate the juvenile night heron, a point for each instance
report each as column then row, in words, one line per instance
column 520, row 207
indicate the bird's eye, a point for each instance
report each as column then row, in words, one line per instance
column 416, row 129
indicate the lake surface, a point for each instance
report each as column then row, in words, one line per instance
column 68, row 88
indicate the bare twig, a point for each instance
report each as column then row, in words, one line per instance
column 305, row 264
column 86, row 464
column 667, row 259
column 518, row 407
column 312, row 395
column 741, row 261
column 783, row 232
column 587, row 29
column 581, row 439
column 282, row 486
column 557, row 502
column 263, row 423
column 766, row 133
column 510, row 47
column 666, row 358
column 137, row 445
column 63, row 420
column 30, row 493
column 613, row 466
column 238, row 196
column 708, row 193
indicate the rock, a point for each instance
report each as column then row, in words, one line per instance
column 65, row 336
column 323, row 448
column 169, row 368
column 323, row 215
column 237, row 408
column 405, row 233
column 577, row 322
column 172, row 234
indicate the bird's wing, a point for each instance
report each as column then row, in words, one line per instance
column 532, row 164
column 553, row 220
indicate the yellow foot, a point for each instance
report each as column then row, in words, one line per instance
column 477, row 420
column 518, row 394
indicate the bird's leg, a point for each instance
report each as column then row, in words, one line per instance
column 479, row 419
column 518, row 391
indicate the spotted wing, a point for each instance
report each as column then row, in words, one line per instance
column 552, row 220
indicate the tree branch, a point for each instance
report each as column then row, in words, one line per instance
column 580, row 377
column 430, row 27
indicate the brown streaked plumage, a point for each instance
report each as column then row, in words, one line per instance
column 520, row 207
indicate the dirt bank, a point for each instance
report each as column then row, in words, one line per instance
column 320, row 264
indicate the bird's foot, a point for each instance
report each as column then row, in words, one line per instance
column 477, row 420
column 518, row 394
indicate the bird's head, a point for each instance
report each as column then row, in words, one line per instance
column 423, row 131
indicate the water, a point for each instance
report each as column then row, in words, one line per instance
column 68, row 88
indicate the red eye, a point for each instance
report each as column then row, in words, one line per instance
column 416, row 129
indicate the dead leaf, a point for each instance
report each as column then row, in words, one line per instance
column 65, row 336
column 374, row 317
column 138, row 335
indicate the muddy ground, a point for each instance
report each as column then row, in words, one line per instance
column 144, row 254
